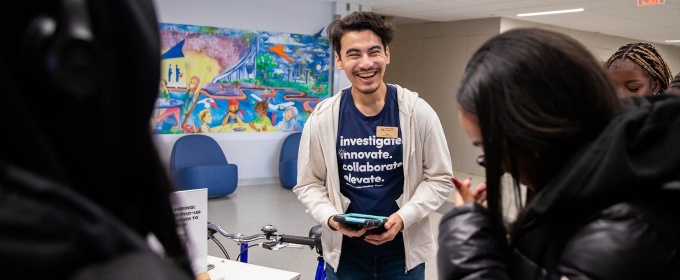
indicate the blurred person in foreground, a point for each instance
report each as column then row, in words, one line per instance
column 602, row 173
column 674, row 87
column 82, row 187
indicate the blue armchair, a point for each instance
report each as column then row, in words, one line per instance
column 197, row 161
column 288, row 160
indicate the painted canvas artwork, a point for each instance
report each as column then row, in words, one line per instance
column 221, row 80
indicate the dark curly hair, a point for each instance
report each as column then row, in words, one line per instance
column 358, row 21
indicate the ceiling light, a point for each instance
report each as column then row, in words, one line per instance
column 551, row 12
column 672, row 41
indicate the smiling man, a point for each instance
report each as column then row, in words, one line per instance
column 373, row 148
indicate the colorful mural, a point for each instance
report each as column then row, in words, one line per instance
column 220, row 80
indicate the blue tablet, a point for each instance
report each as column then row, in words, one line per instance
column 360, row 220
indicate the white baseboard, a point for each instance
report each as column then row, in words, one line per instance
column 258, row 181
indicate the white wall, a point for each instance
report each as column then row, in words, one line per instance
column 430, row 58
column 602, row 46
column 256, row 154
column 427, row 57
column 292, row 16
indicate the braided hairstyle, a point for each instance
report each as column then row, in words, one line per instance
column 648, row 57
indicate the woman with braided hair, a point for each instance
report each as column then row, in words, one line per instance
column 638, row 69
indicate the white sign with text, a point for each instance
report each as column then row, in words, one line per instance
column 191, row 213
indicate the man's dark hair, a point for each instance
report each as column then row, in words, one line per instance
column 358, row 21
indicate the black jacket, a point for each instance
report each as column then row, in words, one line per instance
column 81, row 183
column 50, row 231
column 612, row 213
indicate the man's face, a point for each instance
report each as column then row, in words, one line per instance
column 363, row 59
column 233, row 108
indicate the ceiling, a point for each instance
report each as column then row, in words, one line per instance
column 654, row 23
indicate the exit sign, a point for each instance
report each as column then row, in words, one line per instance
column 650, row 2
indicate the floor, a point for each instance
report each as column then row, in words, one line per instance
column 250, row 208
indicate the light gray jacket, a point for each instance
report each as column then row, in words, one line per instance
column 427, row 174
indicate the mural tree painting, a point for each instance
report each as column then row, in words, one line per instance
column 224, row 68
column 248, row 37
column 266, row 62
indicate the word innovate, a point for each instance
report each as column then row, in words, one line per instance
column 370, row 141
column 379, row 154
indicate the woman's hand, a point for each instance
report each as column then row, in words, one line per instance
column 465, row 195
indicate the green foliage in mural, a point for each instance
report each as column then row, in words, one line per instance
column 266, row 62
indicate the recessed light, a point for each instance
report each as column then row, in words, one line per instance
column 672, row 41
column 551, row 12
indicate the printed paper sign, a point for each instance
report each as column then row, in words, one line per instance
column 191, row 214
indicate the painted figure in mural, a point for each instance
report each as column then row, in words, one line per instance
column 169, row 72
column 262, row 120
column 373, row 148
column 269, row 95
column 165, row 100
column 234, row 116
column 206, row 118
column 289, row 119
column 163, row 92
column 177, row 73
column 194, row 85
column 638, row 69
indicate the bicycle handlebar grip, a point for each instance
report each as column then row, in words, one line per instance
column 298, row 240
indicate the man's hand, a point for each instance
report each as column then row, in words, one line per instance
column 393, row 225
column 346, row 230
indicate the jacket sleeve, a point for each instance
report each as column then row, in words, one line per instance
column 469, row 247
column 625, row 241
column 310, row 188
column 622, row 242
column 435, row 186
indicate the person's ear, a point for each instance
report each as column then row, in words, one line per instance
column 656, row 86
column 338, row 62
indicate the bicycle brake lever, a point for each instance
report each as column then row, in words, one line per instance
column 281, row 246
column 269, row 245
